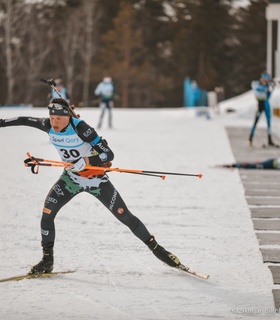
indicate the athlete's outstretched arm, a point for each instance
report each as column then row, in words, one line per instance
column 39, row 123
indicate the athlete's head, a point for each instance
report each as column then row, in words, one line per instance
column 59, row 107
column 59, row 111
column 265, row 77
column 58, row 82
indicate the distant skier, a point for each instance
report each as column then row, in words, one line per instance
column 262, row 89
column 78, row 143
column 273, row 163
column 62, row 91
column 106, row 91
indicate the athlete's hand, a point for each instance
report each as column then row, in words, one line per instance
column 78, row 165
column 1, row 122
column 106, row 164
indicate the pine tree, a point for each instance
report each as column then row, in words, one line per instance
column 123, row 55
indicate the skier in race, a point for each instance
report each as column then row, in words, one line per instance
column 106, row 91
column 79, row 144
column 60, row 92
column 273, row 163
column 263, row 89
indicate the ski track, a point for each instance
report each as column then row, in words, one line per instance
column 206, row 222
column 123, row 296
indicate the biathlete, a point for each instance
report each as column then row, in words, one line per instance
column 267, row 164
column 263, row 89
column 79, row 144
column 106, row 91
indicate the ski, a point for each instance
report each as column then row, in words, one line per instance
column 192, row 272
column 53, row 274
column 35, row 276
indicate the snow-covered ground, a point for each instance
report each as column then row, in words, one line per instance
column 205, row 222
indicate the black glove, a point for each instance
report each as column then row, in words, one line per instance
column 2, row 122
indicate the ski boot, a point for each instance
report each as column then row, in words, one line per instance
column 250, row 140
column 163, row 255
column 271, row 143
column 46, row 264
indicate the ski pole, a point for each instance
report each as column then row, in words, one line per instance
column 33, row 161
column 52, row 84
column 199, row 175
column 154, row 172
column 92, row 171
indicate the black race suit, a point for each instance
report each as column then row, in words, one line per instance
column 77, row 140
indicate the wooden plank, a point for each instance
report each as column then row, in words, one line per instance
column 260, row 178
column 263, row 192
column 239, row 136
column 268, row 238
column 266, row 224
column 263, row 212
column 270, row 255
column 261, row 185
column 276, row 297
column 255, row 154
column 263, row 201
column 275, row 270
column 261, row 173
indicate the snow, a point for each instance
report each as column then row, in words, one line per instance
column 205, row 222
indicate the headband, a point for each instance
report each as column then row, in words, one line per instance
column 58, row 110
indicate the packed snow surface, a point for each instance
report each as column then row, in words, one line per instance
column 205, row 222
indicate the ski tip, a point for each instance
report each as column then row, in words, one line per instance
column 200, row 175
column 193, row 272
column 202, row 275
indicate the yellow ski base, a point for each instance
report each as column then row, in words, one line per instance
column 35, row 276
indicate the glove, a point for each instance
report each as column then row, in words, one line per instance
column 2, row 122
column 78, row 165
column 106, row 164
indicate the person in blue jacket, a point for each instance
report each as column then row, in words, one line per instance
column 262, row 89
column 62, row 91
column 79, row 144
column 106, row 91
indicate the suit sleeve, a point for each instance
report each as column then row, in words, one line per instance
column 38, row 123
column 100, row 146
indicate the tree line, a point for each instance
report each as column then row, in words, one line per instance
column 148, row 46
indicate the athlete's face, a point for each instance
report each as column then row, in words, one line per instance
column 59, row 122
